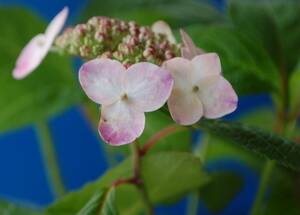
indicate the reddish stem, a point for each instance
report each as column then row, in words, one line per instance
column 156, row 137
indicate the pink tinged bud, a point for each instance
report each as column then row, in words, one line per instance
column 99, row 36
column 199, row 89
column 38, row 47
column 169, row 54
column 125, row 94
column 161, row 27
column 189, row 50
column 80, row 30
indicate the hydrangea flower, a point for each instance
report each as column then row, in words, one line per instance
column 38, row 47
column 199, row 89
column 124, row 95
column 189, row 50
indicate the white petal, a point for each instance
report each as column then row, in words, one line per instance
column 57, row 23
column 185, row 108
column 31, row 56
column 161, row 27
column 217, row 96
column 206, row 65
column 120, row 124
column 181, row 70
column 102, row 80
column 148, row 86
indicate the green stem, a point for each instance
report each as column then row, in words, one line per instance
column 267, row 172
column 50, row 158
column 137, row 175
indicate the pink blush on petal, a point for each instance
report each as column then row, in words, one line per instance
column 112, row 136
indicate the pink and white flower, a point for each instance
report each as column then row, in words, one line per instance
column 189, row 50
column 124, row 95
column 36, row 50
column 199, row 89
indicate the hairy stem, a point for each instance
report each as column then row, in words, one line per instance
column 136, row 153
column 50, row 158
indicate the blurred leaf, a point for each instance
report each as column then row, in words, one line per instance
column 102, row 203
column 284, row 194
column 245, row 63
column 256, row 21
column 294, row 84
column 49, row 90
column 7, row 208
column 262, row 142
column 221, row 189
column 178, row 173
column 175, row 12
column 274, row 23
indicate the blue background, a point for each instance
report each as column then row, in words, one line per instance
column 80, row 156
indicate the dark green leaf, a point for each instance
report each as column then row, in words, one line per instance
column 175, row 12
column 178, row 173
column 47, row 91
column 245, row 63
column 221, row 189
column 262, row 142
column 102, row 203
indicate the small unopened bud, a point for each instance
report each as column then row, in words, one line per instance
column 99, row 36
column 84, row 51
column 169, row 54
column 80, row 30
column 148, row 52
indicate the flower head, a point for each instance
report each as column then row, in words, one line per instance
column 189, row 50
column 125, row 94
column 36, row 50
column 199, row 89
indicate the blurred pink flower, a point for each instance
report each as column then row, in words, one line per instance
column 199, row 89
column 36, row 50
column 189, row 50
column 124, row 95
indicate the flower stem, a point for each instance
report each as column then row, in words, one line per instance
column 157, row 136
column 50, row 158
column 136, row 161
column 267, row 172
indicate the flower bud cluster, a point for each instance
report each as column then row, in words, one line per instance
column 126, row 42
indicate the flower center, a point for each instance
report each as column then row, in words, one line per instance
column 124, row 97
column 195, row 89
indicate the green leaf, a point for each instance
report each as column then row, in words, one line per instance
column 47, row 91
column 274, row 23
column 7, row 208
column 284, row 194
column 178, row 173
column 295, row 89
column 175, row 12
column 102, row 203
column 221, row 189
column 264, row 143
column 245, row 63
